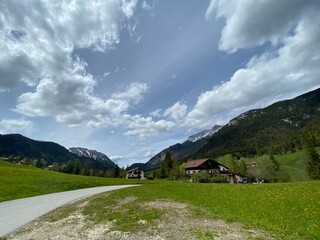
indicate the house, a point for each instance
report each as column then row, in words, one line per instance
column 205, row 165
column 252, row 164
column 236, row 178
column 135, row 173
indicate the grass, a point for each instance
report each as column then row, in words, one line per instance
column 131, row 216
column 288, row 210
column 295, row 164
column 24, row 181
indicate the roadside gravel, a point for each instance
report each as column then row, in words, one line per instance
column 176, row 224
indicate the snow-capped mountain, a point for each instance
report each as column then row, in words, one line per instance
column 98, row 156
column 204, row 133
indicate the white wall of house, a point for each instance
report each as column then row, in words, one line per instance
column 133, row 175
column 190, row 172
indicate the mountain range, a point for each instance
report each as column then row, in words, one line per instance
column 18, row 146
column 180, row 150
column 93, row 154
column 277, row 128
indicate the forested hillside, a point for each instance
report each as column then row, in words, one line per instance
column 278, row 128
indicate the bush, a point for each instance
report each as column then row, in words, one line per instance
column 219, row 179
column 201, row 177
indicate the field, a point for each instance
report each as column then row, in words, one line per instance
column 294, row 163
column 19, row 181
column 289, row 210
column 285, row 210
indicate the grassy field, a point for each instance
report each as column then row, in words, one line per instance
column 24, row 181
column 294, row 163
column 288, row 210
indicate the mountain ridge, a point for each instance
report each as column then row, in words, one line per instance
column 276, row 128
column 17, row 145
column 89, row 153
column 179, row 150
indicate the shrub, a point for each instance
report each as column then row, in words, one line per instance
column 201, row 177
column 219, row 179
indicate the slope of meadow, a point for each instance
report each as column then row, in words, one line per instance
column 19, row 181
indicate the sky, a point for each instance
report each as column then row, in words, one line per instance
column 130, row 78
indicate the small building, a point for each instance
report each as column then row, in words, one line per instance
column 135, row 173
column 237, row 178
column 252, row 164
column 205, row 165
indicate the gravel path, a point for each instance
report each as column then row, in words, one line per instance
column 16, row 213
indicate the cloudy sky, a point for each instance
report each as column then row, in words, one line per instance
column 131, row 77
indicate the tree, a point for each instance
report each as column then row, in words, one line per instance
column 167, row 164
column 182, row 170
column 313, row 167
column 76, row 167
column 276, row 164
column 37, row 163
column 55, row 166
column 69, row 166
column 242, row 167
column 267, row 171
column 175, row 171
column 115, row 172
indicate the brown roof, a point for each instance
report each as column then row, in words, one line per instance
column 134, row 169
column 196, row 163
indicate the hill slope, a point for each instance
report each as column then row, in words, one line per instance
column 277, row 126
column 17, row 145
column 180, row 150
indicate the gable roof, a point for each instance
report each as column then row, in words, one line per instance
column 135, row 170
column 196, row 163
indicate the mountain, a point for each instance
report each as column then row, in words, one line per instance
column 93, row 154
column 180, row 150
column 204, row 133
column 17, row 145
column 276, row 128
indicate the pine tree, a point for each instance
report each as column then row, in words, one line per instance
column 313, row 167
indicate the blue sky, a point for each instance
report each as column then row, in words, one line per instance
column 130, row 78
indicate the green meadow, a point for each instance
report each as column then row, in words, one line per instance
column 286, row 210
column 294, row 163
column 17, row 181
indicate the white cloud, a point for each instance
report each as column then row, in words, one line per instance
column 285, row 72
column 17, row 125
column 146, row 6
column 42, row 57
column 116, row 158
column 177, row 112
column 38, row 43
column 250, row 23
column 156, row 113
column 132, row 93
column 128, row 7
column 106, row 74
column 145, row 127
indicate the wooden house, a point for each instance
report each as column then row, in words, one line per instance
column 135, row 173
column 205, row 165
